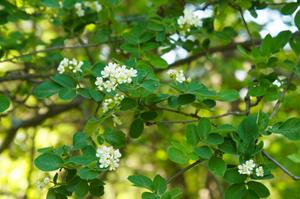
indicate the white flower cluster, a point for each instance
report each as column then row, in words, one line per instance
column 108, row 157
column 116, row 120
column 73, row 65
column 248, row 167
column 112, row 102
column 178, row 75
column 80, row 7
column 189, row 18
column 112, row 75
column 43, row 183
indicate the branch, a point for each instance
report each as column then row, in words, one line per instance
column 36, row 120
column 179, row 112
column 181, row 171
column 56, row 48
column 285, row 170
column 22, row 77
column 229, row 47
column 237, row 113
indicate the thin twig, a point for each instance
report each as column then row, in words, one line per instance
column 281, row 98
column 181, row 171
column 285, row 170
column 246, row 25
column 54, row 49
column 180, row 112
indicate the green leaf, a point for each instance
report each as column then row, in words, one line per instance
column 51, row 194
column 289, row 8
column 64, row 80
column 4, row 103
column 141, row 181
column 191, row 134
column 88, row 156
column 281, row 40
column 266, row 45
column 297, row 19
column 148, row 115
column 48, row 162
column 176, row 155
column 290, row 128
column 204, row 128
column 79, row 140
column 127, row 104
column 157, row 62
column 236, row 191
column 186, row 99
column 204, row 152
column 96, row 95
column 260, row 189
column 51, row 3
column 159, row 184
column 46, row 89
column 217, row 166
column 229, row 95
column 82, row 189
column 96, row 187
column 232, row 176
column 149, row 195
column 214, row 139
column 86, row 173
column 67, row 94
column 136, row 128
column 295, row 157
column 116, row 138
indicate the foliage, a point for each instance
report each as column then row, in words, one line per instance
column 126, row 93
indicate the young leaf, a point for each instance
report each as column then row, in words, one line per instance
column 204, row 128
column 290, row 128
column 236, row 191
column 204, row 152
column 79, row 140
column 186, row 99
column 48, row 162
column 116, row 138
column 4, row 103
column 176, row 155
column 46, row 89
column 159, row 184
column 232, row 176
column 64, row 80
column 141, row 181
column 217, row 166
column 86, row 173
column 260, row 189
column 297, row 19
column 191, row 134
column 136, row 128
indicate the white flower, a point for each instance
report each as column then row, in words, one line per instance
column 110, row 103
column 79, row 9
column 46, row 180
column 96, row 6
column 247, row 167
column 108, row 157
column 116, row 120
column 72, row 65
column 178, row 76
column 190, row 18
column 259, row 171
column 112, row 75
